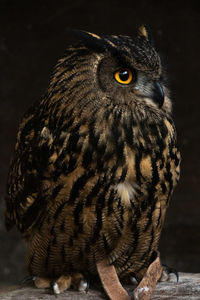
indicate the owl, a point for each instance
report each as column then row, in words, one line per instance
column 95, row 163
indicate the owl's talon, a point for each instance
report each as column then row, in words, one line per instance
column 167, row 271
column 83, row 286
column 55, row 288
column 28, row 279
column 133, row 278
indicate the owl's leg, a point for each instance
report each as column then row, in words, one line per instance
column 146, row 286
column 166, row 273
column 64, row 282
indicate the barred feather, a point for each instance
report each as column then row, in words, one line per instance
column 94, row 165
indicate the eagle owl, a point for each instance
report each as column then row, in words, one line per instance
column 95, row 163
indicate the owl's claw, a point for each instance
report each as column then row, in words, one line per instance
column 83, row 286
column 28, row 279
column 79, row 283
column 55, row 288
column 167, row 271
column 133, row 278
column 61, row 284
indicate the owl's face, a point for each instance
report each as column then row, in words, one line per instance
column 116, row 71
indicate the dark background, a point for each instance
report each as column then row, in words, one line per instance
column 34, row 34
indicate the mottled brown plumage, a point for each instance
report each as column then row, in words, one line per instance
column 96, row 161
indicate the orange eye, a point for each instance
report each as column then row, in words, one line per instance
column 123, row 76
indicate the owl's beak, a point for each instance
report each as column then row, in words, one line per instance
column 158, row 93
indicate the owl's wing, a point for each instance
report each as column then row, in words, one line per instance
column 24, row 196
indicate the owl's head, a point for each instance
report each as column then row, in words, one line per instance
column 118, row 72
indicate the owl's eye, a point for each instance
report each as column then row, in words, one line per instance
column 123, row 76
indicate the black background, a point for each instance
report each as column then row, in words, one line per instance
column 34, row 34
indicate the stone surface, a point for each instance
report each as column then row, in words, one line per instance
column 188, row 288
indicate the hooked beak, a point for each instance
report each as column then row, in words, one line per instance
column 158, row 94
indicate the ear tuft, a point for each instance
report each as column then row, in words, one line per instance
column 144, row 31
column 82, row 34
column 91, row 40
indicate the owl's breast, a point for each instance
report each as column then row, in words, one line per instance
column 151, row 172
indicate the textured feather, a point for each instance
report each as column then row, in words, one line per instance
column 91, row 177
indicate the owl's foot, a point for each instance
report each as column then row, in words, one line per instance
column 77, row 281
column 63, row 283
column 41, row 283
column 80, row 283
column 166, row 273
